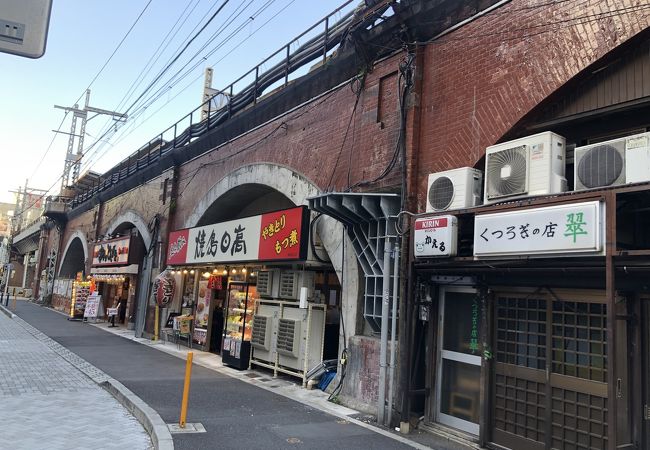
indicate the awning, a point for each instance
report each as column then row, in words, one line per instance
column 120, row 270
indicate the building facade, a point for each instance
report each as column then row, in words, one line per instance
column 508, row 345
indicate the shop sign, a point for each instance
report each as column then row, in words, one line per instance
column 435, row 236
column 564, row 229
column 215, row 282
column 111, row 253
column 278, row 235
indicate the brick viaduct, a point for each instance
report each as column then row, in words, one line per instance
column 472, row 87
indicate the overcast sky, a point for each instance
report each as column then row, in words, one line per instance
column 82, row 36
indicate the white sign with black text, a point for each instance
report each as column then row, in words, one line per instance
column 92, row 306
column 435, row 236
column 564, row 229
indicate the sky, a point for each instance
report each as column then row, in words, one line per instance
column 82, row 36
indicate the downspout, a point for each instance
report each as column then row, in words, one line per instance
column 393, row 335
column 381, row 395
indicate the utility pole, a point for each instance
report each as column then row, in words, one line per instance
column 218, row 98
column 72, row 160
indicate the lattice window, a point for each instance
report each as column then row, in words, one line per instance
column 579, row 340
column 519, row 407
column 579, row 421
column 521, row 332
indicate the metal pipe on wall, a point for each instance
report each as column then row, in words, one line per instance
column 393, row 335
column 381, row 395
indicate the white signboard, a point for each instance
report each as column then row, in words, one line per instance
column 112, row 253
column 575, row 228
column 111, row 312
column 92, row 306
column 235, row 240
column 435, row 236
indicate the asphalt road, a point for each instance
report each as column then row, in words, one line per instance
column 236, row 415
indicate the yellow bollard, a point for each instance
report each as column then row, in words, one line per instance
column 186, row 389
column 156, row 323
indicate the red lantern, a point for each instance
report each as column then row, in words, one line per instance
column 163, row 288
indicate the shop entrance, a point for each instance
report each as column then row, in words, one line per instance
column 550, row 378
column 459, row 364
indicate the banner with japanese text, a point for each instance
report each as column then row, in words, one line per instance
column 563, row 229
column 278, row 235
column 112, row 252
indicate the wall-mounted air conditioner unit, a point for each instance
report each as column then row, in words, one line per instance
column 291, row 282
column 454, row 189
column 614, row 162
column 533, row 165
column 268, row 283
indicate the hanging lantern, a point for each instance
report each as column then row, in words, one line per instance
column 163, row 288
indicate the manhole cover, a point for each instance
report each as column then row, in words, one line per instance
column 293, row 440
column 342, row 422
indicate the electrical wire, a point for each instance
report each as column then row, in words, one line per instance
column 229, row 21
column 200, row 75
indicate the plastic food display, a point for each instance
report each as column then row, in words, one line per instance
column 242, row 298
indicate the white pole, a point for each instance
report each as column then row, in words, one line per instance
column 381, row 395
column 393, row 332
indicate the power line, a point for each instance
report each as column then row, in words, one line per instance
column 159, row 93
column 173, row 60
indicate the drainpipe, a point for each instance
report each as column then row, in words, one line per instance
column 393, row 338
column 381, row 396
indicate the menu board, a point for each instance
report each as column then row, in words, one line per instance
column 80, row 294
column 92, row 306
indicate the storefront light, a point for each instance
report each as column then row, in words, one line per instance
column 206, row 274
column 185, row 272
column 243, row 270
column 192, row 272
column 215, row 271
column 233, row 271
column 225, row 272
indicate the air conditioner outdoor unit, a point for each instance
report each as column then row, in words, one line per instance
column 289, row 335
column 454, row 189
column 267, row 283
column 614, row 162
column 533, row 165
column 261, row 335
column 291, row 282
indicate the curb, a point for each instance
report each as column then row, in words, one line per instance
column 150, row 420
column 6, row 312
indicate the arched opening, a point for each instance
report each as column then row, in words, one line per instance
column 74, row 260
column 245, row 200
column 118, row 281
column 226, row 296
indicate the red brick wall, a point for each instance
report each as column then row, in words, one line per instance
column 310, row 140
column 481, row 79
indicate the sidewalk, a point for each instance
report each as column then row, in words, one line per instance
column 45, row 402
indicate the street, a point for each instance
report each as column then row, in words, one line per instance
column 235, row 414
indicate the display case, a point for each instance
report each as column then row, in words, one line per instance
column 242, row 298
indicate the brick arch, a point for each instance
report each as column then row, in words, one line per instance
column 134, row 218
column 77, row 234
column 296, row 188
